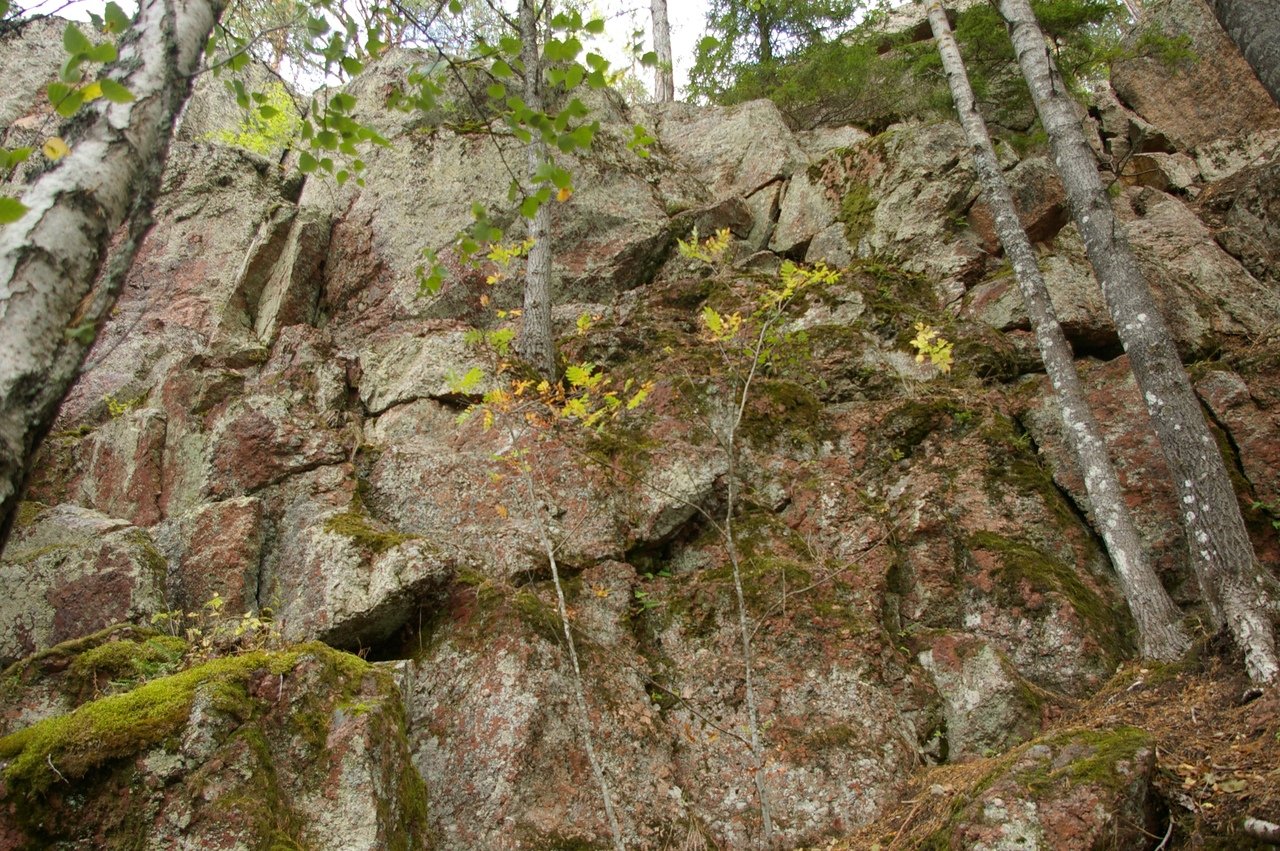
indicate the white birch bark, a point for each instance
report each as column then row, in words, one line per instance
column 51, row 298
column 536, row 343
column 1235, row 587
column 1160, row 635
column 1254, row 26
column 665, row 81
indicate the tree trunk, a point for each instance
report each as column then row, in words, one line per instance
column 1160, row 633
column 1234, row 585
column 51, row 258
column 536, row 343
column 764, row 27
column 665, row 83
column 1254, row 26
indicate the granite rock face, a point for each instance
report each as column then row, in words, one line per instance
column 273, row 429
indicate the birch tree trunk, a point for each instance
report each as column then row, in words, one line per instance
column 1235, row 587
column 665, row 83
column 1254, row 26
column 1159, row 632
column 51, row 298
column 536, row 343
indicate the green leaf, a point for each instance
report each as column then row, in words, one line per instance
column 69, row 105
column 455, row 7
column 510, row 45
column 9, row 159
column 595, row 26
column 352, row 65
column 114, row 92
column 114, row 19
column 4, row 8
column 57, row 92
column 497, row 91
column 529, row 207
column 649, row 60
column 307, row 163
column 75, row 41
column 104, row 53
column 579, row 375
column 502, row 70
column 11, row 209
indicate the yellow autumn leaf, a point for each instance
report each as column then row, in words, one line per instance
column 54, row 148
column 91, row 92
column 564, row 194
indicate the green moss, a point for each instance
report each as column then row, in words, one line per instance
column 779, row 408
column 541, row 617
column 857, row 211
column 361, row 530
column 1105, row 749
column 28, row 511
column 1021, row 562
column 908, row 425
column 127, row 659
column 118, row 725
column 835, row 736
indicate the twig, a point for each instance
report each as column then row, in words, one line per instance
column 49, row 758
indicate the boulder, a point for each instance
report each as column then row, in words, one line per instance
column 70, row 571
column 1078, row 791
column 1194, row 102
column 986, row 706
column 353, row 583
column 1243, row 212
column 305, row 746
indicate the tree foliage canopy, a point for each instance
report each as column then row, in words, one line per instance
column 872, row 77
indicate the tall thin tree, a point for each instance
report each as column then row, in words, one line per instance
column 1236, row 589
column 1254, row 26
column 1160, row 635
column 50, row 259
column 536, row 343
column 665, row 80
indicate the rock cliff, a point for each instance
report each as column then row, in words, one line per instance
column 269, row 425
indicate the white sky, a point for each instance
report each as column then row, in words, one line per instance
column 687, row 18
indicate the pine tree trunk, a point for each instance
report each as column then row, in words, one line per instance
column 665, row 83
column 51, row 298
column 536, row 343
column 1254, row 26
column 1160, row 633
column 1234, row 585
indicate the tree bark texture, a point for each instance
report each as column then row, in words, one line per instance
column 1160, row 633
column 51, row 298
column 1254, row 26
column 1235, row 587
column 537, row 342
column 665, row 80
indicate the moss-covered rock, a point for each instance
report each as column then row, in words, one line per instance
column 246, row 746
